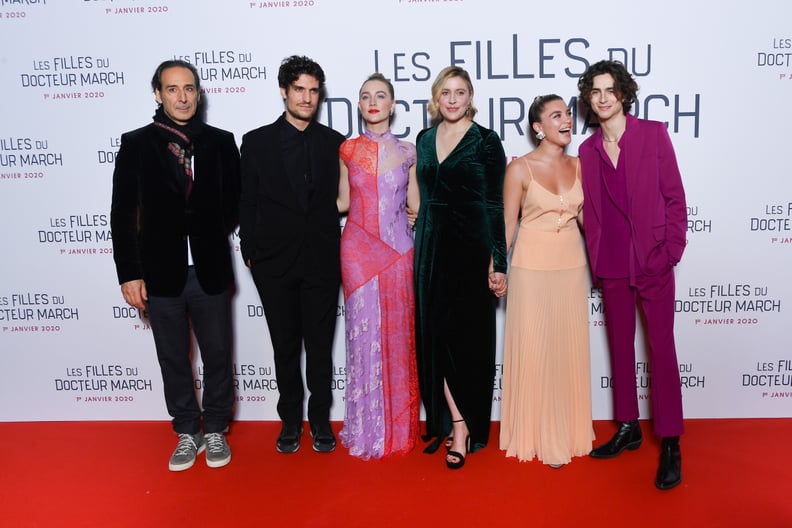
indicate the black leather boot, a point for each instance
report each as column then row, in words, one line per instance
column 669, row 473
column 627, row 437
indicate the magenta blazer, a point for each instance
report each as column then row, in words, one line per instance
column 656, row 206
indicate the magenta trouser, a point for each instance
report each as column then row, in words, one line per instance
column 656, row 295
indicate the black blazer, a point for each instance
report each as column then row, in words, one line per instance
column 151, row 219
column 274, row 229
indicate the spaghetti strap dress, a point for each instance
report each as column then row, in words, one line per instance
column 546, row 398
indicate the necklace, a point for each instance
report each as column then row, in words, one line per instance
column 608, row 140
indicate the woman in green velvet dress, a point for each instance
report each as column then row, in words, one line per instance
column 460, row 265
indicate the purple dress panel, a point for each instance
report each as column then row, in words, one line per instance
column 381, row 393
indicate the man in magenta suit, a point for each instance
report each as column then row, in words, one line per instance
column 635, row 221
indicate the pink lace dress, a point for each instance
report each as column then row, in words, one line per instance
column 381, row 394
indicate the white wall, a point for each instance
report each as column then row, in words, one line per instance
column 75, row 74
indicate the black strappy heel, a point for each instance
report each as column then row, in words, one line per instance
column 461, row 458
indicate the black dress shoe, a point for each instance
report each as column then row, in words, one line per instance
column 627, row 437
column 669, row 474
column 324, row 440
column 289, row 439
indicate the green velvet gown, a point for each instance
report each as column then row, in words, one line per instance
column 459, row 229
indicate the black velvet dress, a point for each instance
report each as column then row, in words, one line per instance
column 459, row 228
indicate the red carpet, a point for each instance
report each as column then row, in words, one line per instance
column 114, row 474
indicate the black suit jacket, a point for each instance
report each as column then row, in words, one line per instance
column 274, row 228
column 151, row 218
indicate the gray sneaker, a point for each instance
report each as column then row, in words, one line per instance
column 218, row 454
column 187, row 449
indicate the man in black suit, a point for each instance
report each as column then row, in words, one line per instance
column 289, row 233
column 175, row 201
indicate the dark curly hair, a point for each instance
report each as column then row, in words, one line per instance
column 292, row 67
column 624, row 86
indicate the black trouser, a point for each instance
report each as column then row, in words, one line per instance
column 301, row 310
column 210, row 315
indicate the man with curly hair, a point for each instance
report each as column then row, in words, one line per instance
column 289, row 235
column 635, row 220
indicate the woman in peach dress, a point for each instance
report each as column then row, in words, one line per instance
column 546, row 401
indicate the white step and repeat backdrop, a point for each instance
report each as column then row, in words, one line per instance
column 75, row 74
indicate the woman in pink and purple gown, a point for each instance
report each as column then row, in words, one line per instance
column 377, row 183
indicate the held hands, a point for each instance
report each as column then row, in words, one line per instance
column 412, row 216
column 497, row 283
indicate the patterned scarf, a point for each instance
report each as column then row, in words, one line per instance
column 180, row 145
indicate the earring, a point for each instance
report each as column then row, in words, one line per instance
column 540, row 135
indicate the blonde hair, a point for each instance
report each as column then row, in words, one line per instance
column 437, row 86
column 381, row 78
